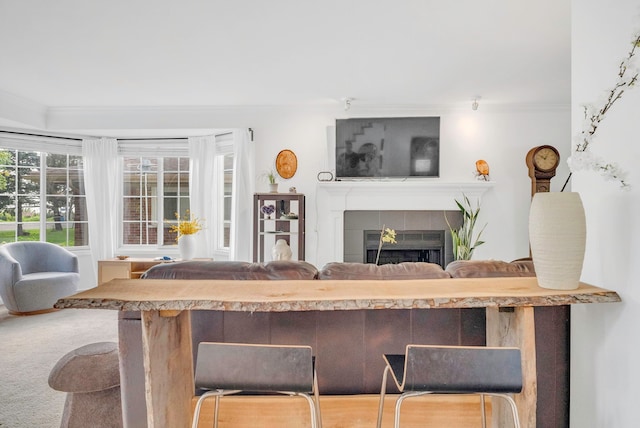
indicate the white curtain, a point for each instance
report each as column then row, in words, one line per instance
column 203, row 172
column 202, row 161
column 102, row 180
column 243, row 189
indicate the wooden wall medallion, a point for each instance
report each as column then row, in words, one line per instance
column 286, row 163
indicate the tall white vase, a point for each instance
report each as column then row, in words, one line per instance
column 187, row 246
column 557, row 234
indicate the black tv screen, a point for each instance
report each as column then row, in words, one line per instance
column 394, row 147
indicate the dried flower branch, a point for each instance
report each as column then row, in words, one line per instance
column 582, row 159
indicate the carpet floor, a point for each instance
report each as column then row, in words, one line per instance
column 29, row 348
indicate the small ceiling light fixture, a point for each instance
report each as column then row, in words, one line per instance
column 347, row 103
column 474, row 104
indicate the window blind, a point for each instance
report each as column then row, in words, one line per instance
column 37, row 143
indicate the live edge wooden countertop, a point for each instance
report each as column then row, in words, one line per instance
column 166, row 326
column 328, row 295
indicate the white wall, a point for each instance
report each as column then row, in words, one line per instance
column 605, row 346
column 501, row 138
column 500, row 135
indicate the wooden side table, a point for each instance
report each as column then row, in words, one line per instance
column 130, row 268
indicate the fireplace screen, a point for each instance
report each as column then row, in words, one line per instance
column 413, row 246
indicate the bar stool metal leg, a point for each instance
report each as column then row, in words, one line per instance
column 215, row 412
column 316, row 394
column 514, row 408
column 216, row 394
column 288, row 370
column 383, row 391
column 401, row 399
column 429, row 369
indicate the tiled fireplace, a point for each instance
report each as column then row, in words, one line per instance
column 345, row 209
column 422, row 236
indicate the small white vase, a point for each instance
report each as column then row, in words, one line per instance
column 557, row 234
column 187, row 246
column 273, row 187
column 281, row 251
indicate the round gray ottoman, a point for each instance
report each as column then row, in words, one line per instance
column 90, row 375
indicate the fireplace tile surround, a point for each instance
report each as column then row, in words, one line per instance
column 356, row 222
column 402, row 205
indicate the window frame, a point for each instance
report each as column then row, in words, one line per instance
column 224, row 147
column 69, row 144
column 45, row 146
column 157, row 207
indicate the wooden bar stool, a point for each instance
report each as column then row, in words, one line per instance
column 426, row 369
column 230, row 368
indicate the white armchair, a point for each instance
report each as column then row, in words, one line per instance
column 34, row 275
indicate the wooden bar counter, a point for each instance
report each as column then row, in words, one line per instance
column 165, row 306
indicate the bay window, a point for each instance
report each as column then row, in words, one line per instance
column 42, row 191
column 42, row 196
column 155, row 190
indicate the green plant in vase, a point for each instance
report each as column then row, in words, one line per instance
column 463, row 238
column 270, row 176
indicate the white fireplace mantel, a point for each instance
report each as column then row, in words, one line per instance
column 399, row 195
column 336, row 197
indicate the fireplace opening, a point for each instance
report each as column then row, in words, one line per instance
column 412, row 246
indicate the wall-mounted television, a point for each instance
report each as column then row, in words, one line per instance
column 396, row 147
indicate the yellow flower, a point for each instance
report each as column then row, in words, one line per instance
column 389, row 236
column 386, row 235
column 189, row 226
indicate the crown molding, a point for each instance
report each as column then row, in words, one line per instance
column 16, row 110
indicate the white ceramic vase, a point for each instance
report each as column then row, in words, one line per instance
column 557, row 234
column 187, row 246
column 281, row 251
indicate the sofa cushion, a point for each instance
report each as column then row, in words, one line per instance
column 490, row 268
column 407, row 270
column 236, row 270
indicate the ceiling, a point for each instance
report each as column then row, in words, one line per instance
column 135, row 53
